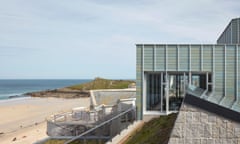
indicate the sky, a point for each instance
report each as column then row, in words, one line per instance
column 84, row 39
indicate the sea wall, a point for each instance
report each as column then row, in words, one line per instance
column 197, row 126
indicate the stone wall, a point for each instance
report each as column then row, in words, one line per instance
column 197, row 126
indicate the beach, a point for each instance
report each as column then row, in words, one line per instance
column 23, row 120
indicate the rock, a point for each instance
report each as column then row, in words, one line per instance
column 1, row 133
column 24, row 136
column 60, row 93
column 14, row 139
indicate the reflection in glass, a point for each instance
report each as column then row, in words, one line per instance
column 172, row 85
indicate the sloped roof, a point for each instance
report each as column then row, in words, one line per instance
column 215, row 108
column 231, row 34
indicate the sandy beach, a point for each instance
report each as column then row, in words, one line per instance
column 23, row 120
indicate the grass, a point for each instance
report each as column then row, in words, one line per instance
column 55, row 141
column 156, row 131
column 100, row 83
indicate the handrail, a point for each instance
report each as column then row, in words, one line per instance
column 203, row 94
column 68, row 129
column 90, row 130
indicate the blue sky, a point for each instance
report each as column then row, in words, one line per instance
column 80, row 39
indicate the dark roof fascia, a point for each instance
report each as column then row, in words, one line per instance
column 212, row 108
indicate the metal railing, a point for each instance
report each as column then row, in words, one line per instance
column 102, row 124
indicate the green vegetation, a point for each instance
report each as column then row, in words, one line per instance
column 156, row 131
column 100, row 83
column 55, row 141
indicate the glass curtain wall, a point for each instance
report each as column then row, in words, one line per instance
column 154, row 92
column 162, row 85
column 177, row 85
column 157, row 91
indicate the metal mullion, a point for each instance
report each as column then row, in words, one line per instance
column 190, row 74
column 178, row 57
column 201, row 58
column 238, row 31
column 236, row 88
column 231, row 32
column 166, row 58
column 207, row 81
column 167, row 92
column 213, row 68
column 184, row 84
column 189, row 57
column 161, row 91
column 152, row 91
column 154, row 55
column 143, row 84
column 225, row 84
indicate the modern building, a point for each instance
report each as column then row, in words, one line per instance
column 167, row 72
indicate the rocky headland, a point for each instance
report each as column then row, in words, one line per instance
column 83, row 90
column 61, row 93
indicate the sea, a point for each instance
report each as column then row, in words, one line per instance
column 10, row 89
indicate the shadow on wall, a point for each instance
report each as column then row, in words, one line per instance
column 110, row 97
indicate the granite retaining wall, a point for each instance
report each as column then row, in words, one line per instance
column 198, row 126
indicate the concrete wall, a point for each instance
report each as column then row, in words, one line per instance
column 196, row 126
column 110, row 97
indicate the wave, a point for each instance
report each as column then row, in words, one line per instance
column 12, row 95
column 5, row 101
column 10, row 89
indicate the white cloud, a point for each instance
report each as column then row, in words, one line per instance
column 100, row 36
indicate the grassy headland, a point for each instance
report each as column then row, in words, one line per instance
column 100, row 83
column 82, row 90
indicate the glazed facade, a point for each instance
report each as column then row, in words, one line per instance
column 165, row 72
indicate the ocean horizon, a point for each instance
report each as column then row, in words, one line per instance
column 16, row 88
